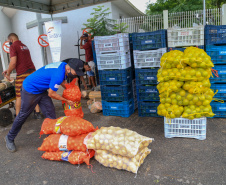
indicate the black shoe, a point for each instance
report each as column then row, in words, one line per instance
column 37, row 115
column 10, row 145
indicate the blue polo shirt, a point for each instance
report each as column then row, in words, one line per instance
column 49, row 76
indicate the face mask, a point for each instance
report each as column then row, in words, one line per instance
column 70, row 75
column 10, row 43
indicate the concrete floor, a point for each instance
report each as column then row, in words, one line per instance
column 171, row 162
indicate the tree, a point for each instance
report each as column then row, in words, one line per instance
column 100, row 24
column 181, row 5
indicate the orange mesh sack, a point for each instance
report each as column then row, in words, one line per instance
column 71, row 126
column 74, row 157
column 74, row 112
column 72, row 92
column 61, row 142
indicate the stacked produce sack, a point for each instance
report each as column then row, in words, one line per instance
column 119, row 148
column 73, row 93
column 184, row 85
column 65, row 142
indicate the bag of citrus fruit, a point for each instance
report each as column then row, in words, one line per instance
column 61, row 142
column 170, row 111
column 71, row 126
column 197, row 87
column 73, row 157
column 117, row 140
column 196, row 57
column 192, row 111
column 109, row 159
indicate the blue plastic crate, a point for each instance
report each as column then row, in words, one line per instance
column 95, row 61
column 181, row 127
column 115, row 77
column 146, row 76
column 148, row 109
column 220, row 89
column 117, row 93
column 219, row 109
column 149, row 40
column 123, row 109
column 221, row 73
column 147, row 93
column 217, row 53
column 182, row 49
column 215, row 34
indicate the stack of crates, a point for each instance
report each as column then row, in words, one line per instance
column 115, row 74
column 148, row 49
column 215, row 42
column 181, row 38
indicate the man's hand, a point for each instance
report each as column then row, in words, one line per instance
column 71, row 103
column 4, row 72
column 8, row 77
column 81, row 38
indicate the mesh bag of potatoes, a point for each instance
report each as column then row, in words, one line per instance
column 109, row 159
column 117, row 140
column 185, row 74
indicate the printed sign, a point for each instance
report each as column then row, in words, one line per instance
column 53, row 29
column 43, row 40
column 85, row 31
column 6, row 46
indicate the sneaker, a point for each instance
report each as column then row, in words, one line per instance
column 37, row 115
column 10, row 145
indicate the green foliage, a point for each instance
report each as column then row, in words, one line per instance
column 181, row 5
column 101, row 25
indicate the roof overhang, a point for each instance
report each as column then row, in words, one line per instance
column 128, row 8
column 50, row 6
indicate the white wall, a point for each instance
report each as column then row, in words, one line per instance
column 116, row 12
column 5, row 30
column 76, row 18
column 28, row 36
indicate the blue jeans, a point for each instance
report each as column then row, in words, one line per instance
column 90, row 73
column 28, row 104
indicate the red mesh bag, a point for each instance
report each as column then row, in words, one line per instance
column 71, row 126
column 72, row 92
column 60, row 142
column 74, row 157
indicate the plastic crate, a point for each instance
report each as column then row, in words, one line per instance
column 219, row 109
column 147, row 93
column 123, row 109
column 112, row 50
column 117, row 93
column 215, row 34
column 7, row 94
column 217, row 53
column 121, row 37
column 113, row 61
column 149, row 40
column 220, row 89
column 95, row 61
column 146, row 76
column 115, row 77
column 146, row 59
column 181, row 127
column 221, row 73
column 182, row 49
column 106, row 46
column 178, row 37
column 148, row 109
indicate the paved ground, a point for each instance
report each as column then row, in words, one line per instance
column 172, row 161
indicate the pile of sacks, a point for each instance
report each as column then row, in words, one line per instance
column 184, row 85
column 119, row 148
column 65, row 142
column 73, row 93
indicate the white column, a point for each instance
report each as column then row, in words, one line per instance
column 224, row 14
column 165, row 19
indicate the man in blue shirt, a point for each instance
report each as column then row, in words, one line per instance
column 34, row 91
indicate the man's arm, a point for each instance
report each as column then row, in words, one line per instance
column 63, row 84
column 81, row 45
column 12, row 66
column 54, row 95
column 83, row 82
